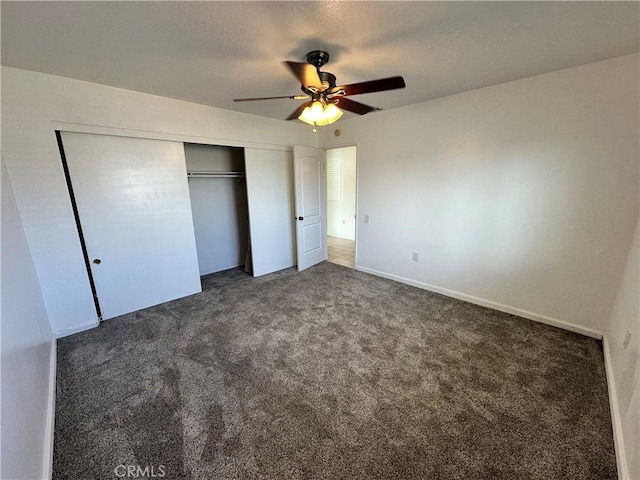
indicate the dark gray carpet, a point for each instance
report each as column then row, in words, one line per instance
column 330, row 374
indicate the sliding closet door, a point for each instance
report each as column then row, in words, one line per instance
column 271, row 209
column 133, row 202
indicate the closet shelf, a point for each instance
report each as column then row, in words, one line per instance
column 216, row 174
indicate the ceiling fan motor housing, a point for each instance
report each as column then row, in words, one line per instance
column 318, row 58
column 328, row 80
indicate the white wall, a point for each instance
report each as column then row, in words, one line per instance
column 522, row 196
column 341, row 211
column 625, row 362
column 220, row 222
column 34, row 105
column 28, row 354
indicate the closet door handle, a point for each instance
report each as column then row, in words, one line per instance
column 300, row 218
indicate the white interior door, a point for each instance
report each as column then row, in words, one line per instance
column 133, row 202
column 271, row 209
column 310, row 192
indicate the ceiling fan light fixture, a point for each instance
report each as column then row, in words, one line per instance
column 332, row 113
column 320, row 114
column 309, row 115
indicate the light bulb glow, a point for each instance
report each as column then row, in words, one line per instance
column 332, row 113
column 317, row 111
column 320, row 113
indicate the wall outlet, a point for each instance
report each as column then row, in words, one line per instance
column 627, row 339
column 366, row 219
column 416, row 256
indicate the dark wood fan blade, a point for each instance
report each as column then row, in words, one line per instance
column 293, row 97
column 371, row 86
column 299, row 110
column 352, row 106
column 306, row 73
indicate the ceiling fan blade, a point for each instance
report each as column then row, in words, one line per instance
column 371, row 86
column 352, row 106
column 293, row 97
column 306, row 73
column 299, row 110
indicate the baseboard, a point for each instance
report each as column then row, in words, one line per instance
column 616, row 422
column 340, row 236
column 554, row 322
column 81, row 327
column 47, row 460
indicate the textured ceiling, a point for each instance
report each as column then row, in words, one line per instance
column 212, row 52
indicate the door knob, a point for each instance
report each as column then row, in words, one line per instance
column 97, row 261
column 300, row 218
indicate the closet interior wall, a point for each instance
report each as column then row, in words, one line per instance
column 218, row 192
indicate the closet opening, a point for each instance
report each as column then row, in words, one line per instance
column 218, row 192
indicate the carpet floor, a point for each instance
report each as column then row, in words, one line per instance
column 329, row 374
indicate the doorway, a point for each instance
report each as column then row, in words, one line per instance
column 341, row 205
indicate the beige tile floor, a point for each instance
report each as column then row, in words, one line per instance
column 341, row 251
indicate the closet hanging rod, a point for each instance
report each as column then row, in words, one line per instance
column 216, row 174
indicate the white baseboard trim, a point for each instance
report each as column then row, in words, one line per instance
column 47, row 460
column 554, row 322
column 81, row 327
column 616, row 422
column 342, row 236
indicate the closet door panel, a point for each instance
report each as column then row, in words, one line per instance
column 133, row 202
column 271, row 209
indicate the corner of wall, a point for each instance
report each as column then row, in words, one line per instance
column 80, row 327
column 28, row 351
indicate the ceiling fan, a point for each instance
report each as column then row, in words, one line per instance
column 323, row 96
